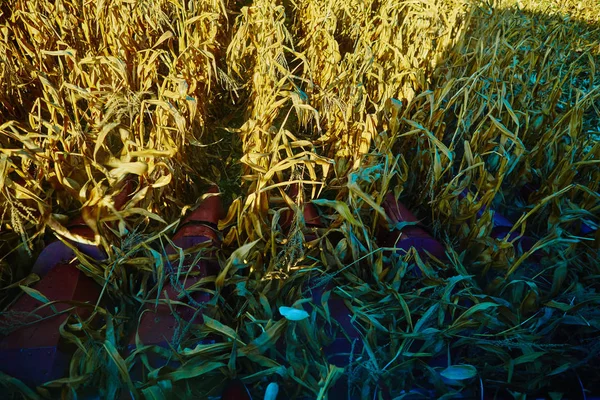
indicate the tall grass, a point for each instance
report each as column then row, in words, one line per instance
column 346, row 102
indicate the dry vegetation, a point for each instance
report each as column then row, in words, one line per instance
column 350, row 101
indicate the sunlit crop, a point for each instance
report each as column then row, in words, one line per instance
column 346, row 101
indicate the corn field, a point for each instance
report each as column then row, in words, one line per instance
column 343, row 103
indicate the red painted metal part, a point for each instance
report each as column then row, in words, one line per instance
column 311, row 216
column 58, row 252
column 345, row 338
column 312, row 219
column 35, row 353
column 344, row 334
column 38, row 345
column 236, row 390
column 210, row 210
column 158, row 324
column 409, row 236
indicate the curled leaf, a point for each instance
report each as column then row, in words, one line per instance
column 459, row 372
column 293, row 314
column 271, row 392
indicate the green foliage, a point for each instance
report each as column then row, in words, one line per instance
column 347, row 103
